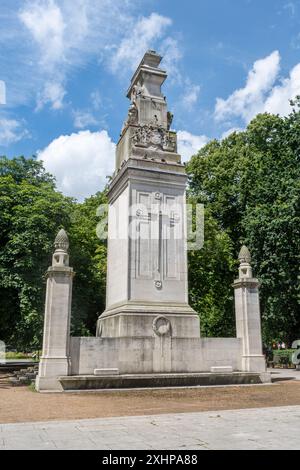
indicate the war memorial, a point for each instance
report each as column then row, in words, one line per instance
column 148, row 335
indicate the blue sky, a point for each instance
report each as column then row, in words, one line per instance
column 65, row 66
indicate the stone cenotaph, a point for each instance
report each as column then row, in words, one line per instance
column 148, row 334
column 147, row 288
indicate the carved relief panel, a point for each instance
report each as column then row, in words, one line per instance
column 157, row 244
column 155, row 137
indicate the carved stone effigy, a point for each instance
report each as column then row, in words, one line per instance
column 132, row 118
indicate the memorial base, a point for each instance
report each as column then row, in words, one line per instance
column 92, row 382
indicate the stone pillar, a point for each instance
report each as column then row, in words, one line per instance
column 55, row 360
column 248, row 326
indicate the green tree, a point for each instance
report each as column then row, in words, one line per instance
column 250, row 184
column 271, row 222
column 211, row 270
column 88, row 258
column 31, row 211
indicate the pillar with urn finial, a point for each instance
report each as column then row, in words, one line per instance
column 247, row 312
column 55, row 360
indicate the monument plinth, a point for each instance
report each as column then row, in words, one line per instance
column 147, row 261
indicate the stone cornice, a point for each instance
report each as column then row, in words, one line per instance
column 246, row 282
column 147, row 171
column 60, row 270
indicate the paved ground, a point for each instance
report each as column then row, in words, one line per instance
column 281, row 374
column 257, row 428
column 143, row 418
column 19, row 404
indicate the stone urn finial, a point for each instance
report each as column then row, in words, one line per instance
column 244, row 255
column 61, row 241
column 60, row 256
column 245, row 269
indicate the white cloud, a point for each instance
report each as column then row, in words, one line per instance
column 52, row 93
column 189, row 144
column 230, row 131
column 47, row 40
column 80, row 162
column 264, row 92
column 45, row 22
column 170, row 50
column 295, row 42
column 2, row 92
column 190, row 96
column 50, row 38
column 83, row 119
column 96, row 99
column 291, row 8
column 11, row 131
column 248, row 101
column 140, row 37
column 278, row 100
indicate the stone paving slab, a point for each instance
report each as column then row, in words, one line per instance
column 256, row 428
column 281, row 374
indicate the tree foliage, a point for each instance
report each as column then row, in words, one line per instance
column 211, row 270
column 31, row 213
column 88, row 255
column 250, row 183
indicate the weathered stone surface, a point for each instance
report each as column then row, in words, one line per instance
column 92, row 382
column 55, row 359
column 221, row 369
column 106, row 371
column 154, row 354
column 248, row 325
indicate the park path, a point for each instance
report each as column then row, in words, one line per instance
column 256, row 428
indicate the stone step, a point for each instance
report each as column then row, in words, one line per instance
column 94, row 382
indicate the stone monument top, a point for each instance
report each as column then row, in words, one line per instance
column 148, row 76
column 151, row 58
column 146, row 131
